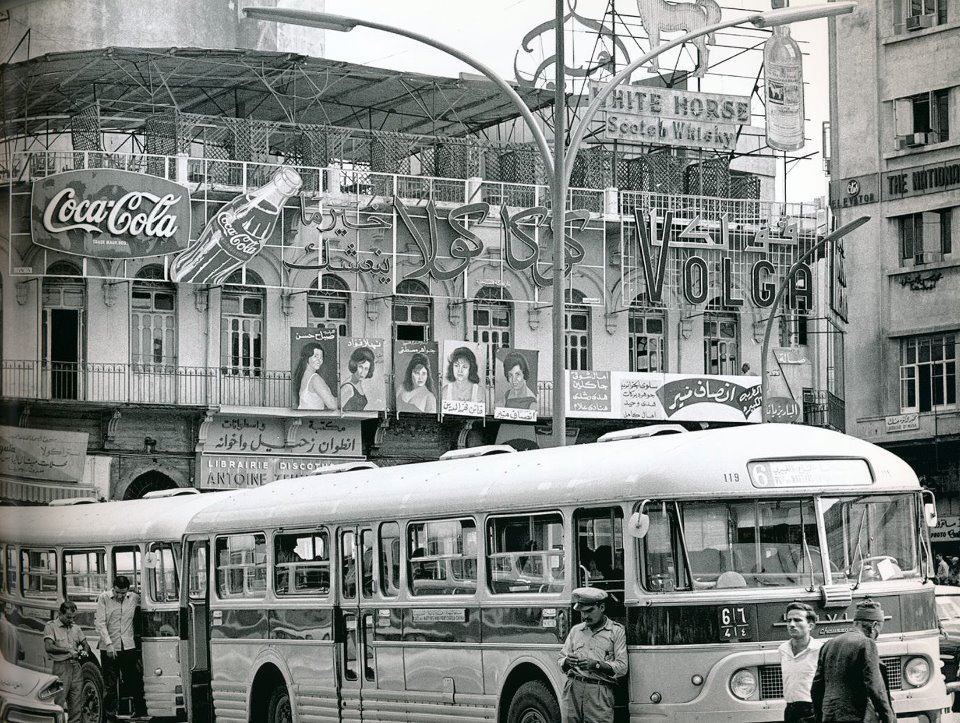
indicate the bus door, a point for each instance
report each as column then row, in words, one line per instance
column 195, row 630
column 599, row 549
column 355, row 619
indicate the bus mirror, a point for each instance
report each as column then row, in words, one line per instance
column 930, row 514
column 150, row 560
column 638, row 525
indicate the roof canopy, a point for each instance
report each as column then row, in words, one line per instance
column 131, row 83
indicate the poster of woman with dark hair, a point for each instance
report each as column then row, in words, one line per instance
column 415, row 374
column 313, row 354
column 464, row 388
column 515, row 384
column 361, row 381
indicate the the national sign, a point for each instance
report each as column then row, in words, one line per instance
column 110, row 214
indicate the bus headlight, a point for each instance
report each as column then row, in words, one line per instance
column 917, row 672
column 743, row 683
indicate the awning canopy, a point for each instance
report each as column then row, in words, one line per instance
column 19, row 490
column 130, row 84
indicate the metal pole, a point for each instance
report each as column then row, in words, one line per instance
column 559, row 216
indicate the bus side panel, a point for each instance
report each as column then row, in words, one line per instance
column 236, row 638
column 303, row 639
column 161, row 661
column 30, row 621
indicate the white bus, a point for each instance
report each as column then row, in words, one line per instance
column 74, row 551
column 441, row 591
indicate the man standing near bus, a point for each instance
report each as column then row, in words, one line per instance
column 115, row 618
column 593, row 656
column 798, row 663
column 65, row 643
column 848, row 676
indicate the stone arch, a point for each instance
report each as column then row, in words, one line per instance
column 149, row 481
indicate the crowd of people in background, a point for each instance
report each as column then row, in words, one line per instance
column 948, row 570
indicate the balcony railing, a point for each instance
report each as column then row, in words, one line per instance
column 168, row 385
column 823, row 409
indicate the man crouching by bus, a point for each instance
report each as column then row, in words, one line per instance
column 798, row 663
column 115, row 618
column 593, row 656
column 65, row 643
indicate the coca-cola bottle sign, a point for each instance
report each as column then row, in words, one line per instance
column 110, row 214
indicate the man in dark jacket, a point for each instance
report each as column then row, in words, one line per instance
column 848, row 674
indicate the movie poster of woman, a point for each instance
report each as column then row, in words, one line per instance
column 463, row 378
column 415, row 376
column 313, row 364
column 515, row 385
column 362, row 381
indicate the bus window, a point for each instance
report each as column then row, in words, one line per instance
column 600, row 549
column 197, row 572
column 348, row 566
column 85, row 574
column 443, row 557
column 366, row 563
column 5, row 583
column 162, row 578
column 389, row 559
column 38, row 573
column 525, row 553
column 126, row 562
column 241, row 566
column 301, row 563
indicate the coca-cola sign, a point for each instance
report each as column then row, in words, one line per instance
column 110, row 214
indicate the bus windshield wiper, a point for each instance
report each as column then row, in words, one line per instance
column 806, row 548
column 858, row 551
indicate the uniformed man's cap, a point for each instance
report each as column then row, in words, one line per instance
column 588, row 596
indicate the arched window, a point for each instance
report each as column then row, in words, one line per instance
column 63, row 328
column 242, row 325
column 329, row 306
column 153, row 320
column 492, row 321
column 645, row 328
column 721, row 339
column 412, row 312
column 576, row 319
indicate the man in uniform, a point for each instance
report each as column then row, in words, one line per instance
column 848, row 674
column 593, row 656
column 65, row 643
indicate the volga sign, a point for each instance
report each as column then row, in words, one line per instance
column 110, row 214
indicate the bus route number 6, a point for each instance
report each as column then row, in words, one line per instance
column 734, row 622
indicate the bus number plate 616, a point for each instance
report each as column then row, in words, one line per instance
column 734, row 622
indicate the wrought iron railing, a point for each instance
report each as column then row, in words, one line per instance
column 824, row 409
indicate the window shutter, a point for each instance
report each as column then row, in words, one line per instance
column 903, row 116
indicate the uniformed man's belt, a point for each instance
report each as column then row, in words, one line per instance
column 590, row 681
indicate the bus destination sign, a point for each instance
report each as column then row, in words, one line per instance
column 809, row 473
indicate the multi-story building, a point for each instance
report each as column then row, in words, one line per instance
column 404, row 229
column 895, row 156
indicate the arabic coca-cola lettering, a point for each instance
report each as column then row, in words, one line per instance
column 122, row 216
column 237, row 233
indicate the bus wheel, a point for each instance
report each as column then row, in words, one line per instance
column 91, row 694
column 279, row 710
column 533, row 703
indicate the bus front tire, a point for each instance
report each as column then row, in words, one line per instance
column 533, row 703
column 279, row 710
column 91, row 696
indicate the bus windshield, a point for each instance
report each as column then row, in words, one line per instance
column 871, row 537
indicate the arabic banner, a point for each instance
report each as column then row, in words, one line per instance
column 362, row 381
column 415, row 376
column 291, row 437
column 235, row 471
column 659, row 397
column 43, row 454
column 313, row 363
column 515, row 384
column 464, row 389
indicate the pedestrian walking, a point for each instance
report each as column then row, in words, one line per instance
column 848, row 678
column 115, row 620
column 593, row 657
column 798, row 663
column 943, row 570
column 66, row 644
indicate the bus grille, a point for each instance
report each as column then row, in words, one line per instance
column 771, row 680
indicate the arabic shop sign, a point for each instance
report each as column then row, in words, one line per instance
column 293, row 437
column 235, row 471
column 43, row 454
column 782, row 409
column 920, row 180
column 640, row 114
column 947, row 530
column 110, row 214
column 902, row 422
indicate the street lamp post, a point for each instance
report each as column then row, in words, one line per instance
column 559, row 163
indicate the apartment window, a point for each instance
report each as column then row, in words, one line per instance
column 241, row 325
column 153, row 319
column 924, row 118
column 928, row 372
column 721, row 335
column 926, row 237
column 412, row 312
column 576, row 330
column 492, row 322
column 645, row 339
column 919, row 14
column 329, row 306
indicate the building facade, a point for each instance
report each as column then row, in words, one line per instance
column 895, row 156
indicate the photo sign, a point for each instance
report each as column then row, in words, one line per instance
column 110, row 214
column 464, row 389
column 641, row 114
column 515, row 385
column 313, row 364
column 415, row 376
column 362, row 369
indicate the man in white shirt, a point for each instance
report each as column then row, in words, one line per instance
column 798, row 663
column 115, row 621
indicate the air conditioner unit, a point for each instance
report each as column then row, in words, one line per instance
column 912, row 140
column 918, row 22
column 927, row 257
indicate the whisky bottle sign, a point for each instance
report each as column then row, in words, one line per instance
column 783, row 82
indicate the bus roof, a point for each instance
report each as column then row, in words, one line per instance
column 105, row 523
column 697, row 464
